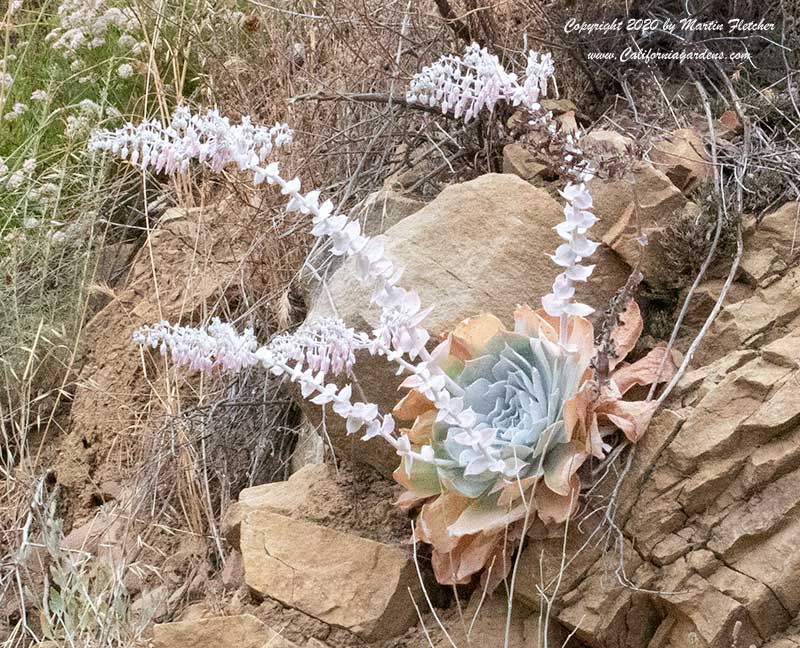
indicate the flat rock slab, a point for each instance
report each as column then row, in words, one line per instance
column 240, row 631
column 283, row 497
column 338, row 578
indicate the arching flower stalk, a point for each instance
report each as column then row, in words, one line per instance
column 317, row 348
column 307, row 357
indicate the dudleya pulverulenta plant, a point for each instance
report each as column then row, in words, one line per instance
column 539, row 414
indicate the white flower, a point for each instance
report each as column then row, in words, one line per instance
column 323, row 345
column 210, row 139
column 15, row 180
column 127, row 41
column 17, row 110
column 218, row 345
column 31, row 223
column 578, row 219
column 125, row 71
column 39, row 95
column 478, row 457
column 86, row 23
column 403, row 449
column 465, row 85
column 359, row 415
column 383, row 428
column 49, row 190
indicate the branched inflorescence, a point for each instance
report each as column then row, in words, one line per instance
column 316, row 349
column 464, row 86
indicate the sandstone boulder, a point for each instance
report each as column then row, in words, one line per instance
column 557, row 106
column 682, row 156
column 241, row 631
column 634, row 212
column 773, row 246
column 338, row 578
column 285, row 497
column 602, row 144
column 480, row 246
column 520, row 161
column 385, row 208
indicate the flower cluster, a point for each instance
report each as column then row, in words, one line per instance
column 465, row 85
column 18, row 178
column 204, row 349
column 578, row 219
column 16, row 111
column 84, row 119
column 210, row 139
column 326, row 345
column 538, row 72
column 86, row 23
column 125, row 71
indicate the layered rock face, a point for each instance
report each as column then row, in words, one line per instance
column 704, row 552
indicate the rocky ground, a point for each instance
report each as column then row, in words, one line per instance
column 702, row 551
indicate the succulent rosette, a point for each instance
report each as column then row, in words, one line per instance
column 538, row 416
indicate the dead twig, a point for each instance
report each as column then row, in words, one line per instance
column 369, row 97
